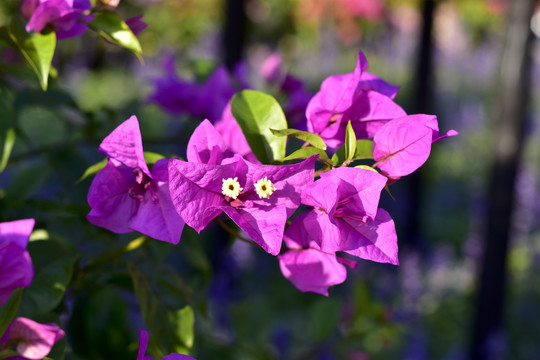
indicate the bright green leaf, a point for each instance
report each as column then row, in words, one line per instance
column 350, row 142
column 8, row 146
column 93, row 169
column 37, row 49
column 304, row 153
column 363, row 151
column 366, row 167
column 256, row 113
column 113, row 29
column 312, row 139
column 184, row 320
column 152, row 158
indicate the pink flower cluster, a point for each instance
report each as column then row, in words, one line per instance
column 222, row 176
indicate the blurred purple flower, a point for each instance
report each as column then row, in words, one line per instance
column 65, row 17
column 258, row 198
column 143, row 345
column 125, row 196
column 298, row 97
column 207, row 100
column 136, row 24
column 34, row 340
column 16, row 269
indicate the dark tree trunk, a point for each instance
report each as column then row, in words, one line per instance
column 234, row 32
column 422, row 103
column 513, row 97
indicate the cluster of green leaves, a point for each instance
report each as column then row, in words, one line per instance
column 264, row 125
column 38, row 49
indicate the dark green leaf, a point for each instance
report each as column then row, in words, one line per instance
column 312, row 139
column 54, row 267
column 26, row 182
column 256, row 113
column 8, row 353
column 93, row 170
column 38, row 49
column 363, row 151
column 350, row 142
column 324, row 315
column 9, row 309
column 8, row 146
column 113, row 29
column 164, row 325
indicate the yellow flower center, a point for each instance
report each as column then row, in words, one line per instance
column 264, row 188
column 231, row 187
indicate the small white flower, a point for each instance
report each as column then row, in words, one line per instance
column 264, row 188
column 231, row 187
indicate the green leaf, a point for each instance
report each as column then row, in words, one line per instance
column 312, row 139
column 113, row 29
column 169, row 329
column 8, row 146
column 93, row 170
column 37, row 49
column 26, row 182
column 350, row 142
column 364, row 150
column 324, row 317
column 9, row 309
column 366, row 167
column 8, row 353
column 152, row 158
column 184, row 321
column 304, row 153
column 256, row 113
column 54, row 267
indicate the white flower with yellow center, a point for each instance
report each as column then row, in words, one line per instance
column 231, row 187
column 264, row 188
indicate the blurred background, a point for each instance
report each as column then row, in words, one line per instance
column 468, row 284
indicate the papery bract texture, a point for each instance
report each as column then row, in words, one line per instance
column 305, row 265
column 206, row 146
column 402, row 146
column 34, row 340
column 125, row 196
column 197, row 194
column 358, row 97
column 345, row 215
column 16, row 269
